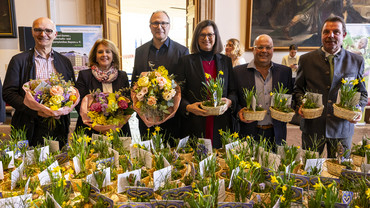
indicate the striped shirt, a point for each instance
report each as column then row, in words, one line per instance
column 44, row 66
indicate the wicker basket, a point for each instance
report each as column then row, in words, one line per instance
column 357, row 160
column 281, row 116
column 254, row 115
column 334, row 169
column 214, row 111
column 345, row 114
column 312, row 113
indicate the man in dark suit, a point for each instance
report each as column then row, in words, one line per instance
column 315, row 74
column 264, row 75
column 37, row 63
column 160, row 51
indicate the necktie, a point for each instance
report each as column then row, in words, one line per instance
column 331, row 62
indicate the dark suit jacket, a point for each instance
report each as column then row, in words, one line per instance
column 2, row 104
column 314, row 75
column 190, row 71
column 244, row 78
column 86, row 83
column 20, row 70
column 175, row 51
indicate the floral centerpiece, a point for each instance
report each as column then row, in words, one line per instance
column 212, row 94
column 348, row 96
column 105, row 111
column 156, row 96
column 252, row 111
column 280, row 108
column 311, row 107
column 54, row 97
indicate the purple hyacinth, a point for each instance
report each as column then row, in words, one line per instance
column 66, row 97
column 38, row 96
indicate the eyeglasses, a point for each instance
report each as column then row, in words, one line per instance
column 260, row 48
column 156, row 24
column 209, row 35
column 46, row 31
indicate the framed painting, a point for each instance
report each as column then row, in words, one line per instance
column 7, row 19
column 298, row 21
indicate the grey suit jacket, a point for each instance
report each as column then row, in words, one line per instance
column 314, row 75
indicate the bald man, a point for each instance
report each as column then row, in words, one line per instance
column 264, row 75
column 37, row 63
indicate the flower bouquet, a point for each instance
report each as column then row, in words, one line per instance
column 156, row 96
column 105, row 111
column 312, row 105
column 54, row 97
column 252, row 111
column 212, row 93
column 347, row 101
column 280, row 107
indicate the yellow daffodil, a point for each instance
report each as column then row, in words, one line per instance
column 357, row 206
column 118, row 129
column 15, row 194
column 89, row 128
column 135, row 145
column 207, row 75
column 367, row 146
column 344, row 81
column 221, row 132
column 271, row 93
column 318, row 186
column 282, row 198
column 330, row 185
column 304, row 173
column 79, row 140
column 367, row 193
column 4, row 134
column 274, row 180
column 281, row 100
column 56, row 169
column 284, row 188
column 94, row 142
column 242, row 164
column 236, row 157
column 355, row 82
column 256, row 164
column 221, row 72
column 363, row 79
column 87, row 139
column 157, row 128
column 248, row 137
column 193, row 185
column 298, row 147
column 92, row 151
column 154, row 133
column 215, row 85
column 70, row 171
column 235, row 135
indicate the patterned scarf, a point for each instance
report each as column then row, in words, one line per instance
column 107, row 76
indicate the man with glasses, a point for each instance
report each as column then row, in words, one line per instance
column 36, row 63
column 263, row 75
column 160, row 51
column 322, row 71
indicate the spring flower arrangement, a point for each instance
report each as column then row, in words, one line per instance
column 212, row 94
column 252, row 110
column 280, row 104
column 348, row 99
column 54, row 97
column 156, row 96
column 105, row 111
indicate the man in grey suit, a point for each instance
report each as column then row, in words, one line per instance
column 160, row 51
column 315, row 75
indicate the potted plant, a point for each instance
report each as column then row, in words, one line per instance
column 311, row 107
column 212, row 95
column 252, row 111
column 359, row 150
column 347, row 107
column 280, row 107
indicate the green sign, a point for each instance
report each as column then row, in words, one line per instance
column 68, row 40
